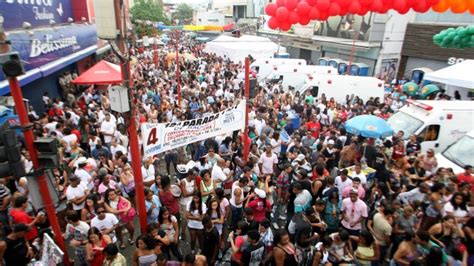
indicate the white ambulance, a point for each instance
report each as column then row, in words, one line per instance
column 338, row 87
column 263, row 67
column 436, row 124
column 459, row 154
column 296, row 76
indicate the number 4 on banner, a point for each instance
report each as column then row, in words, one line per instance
column 152, row 139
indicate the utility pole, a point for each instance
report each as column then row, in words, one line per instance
column 246, row 140
column 178, row 73
column 14, row 65
column 132, row 121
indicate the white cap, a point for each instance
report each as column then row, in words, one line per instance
column 300, row 157
column 330, row 142
column 81, row 160
column 260, row 193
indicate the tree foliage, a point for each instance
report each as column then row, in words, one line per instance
column 183, row 12
column 148, row 10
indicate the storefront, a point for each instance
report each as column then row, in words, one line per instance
column 419, row 51
column 49, row 44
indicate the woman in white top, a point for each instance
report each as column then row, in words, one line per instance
column 188, row 187
column 195, row 212
column 236, row 200
column 457, row 207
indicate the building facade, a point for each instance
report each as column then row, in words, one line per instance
column 52, row 38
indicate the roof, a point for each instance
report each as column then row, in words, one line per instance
column 459, row 75
column 449, row 105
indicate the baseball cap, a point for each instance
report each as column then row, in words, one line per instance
column 354, row 191
column 330, row 142
column 260, row 193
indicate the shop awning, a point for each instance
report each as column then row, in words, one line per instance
column 102, row 73
column 47, row 69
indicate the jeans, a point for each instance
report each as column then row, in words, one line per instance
column 279, row 209
column 236, row 216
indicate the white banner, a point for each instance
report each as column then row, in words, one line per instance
column 158, row 138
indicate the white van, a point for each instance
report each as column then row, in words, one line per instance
column 338, row 87
column 264, row 66
column 459, row 154
column 296, row 76
column 437, row 124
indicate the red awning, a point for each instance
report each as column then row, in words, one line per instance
column 102, row 73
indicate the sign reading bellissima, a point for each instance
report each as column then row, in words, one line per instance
column 43, row 46
column 35, row 12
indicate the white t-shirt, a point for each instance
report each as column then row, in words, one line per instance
column 341, row 185
column 268, row 162
column 361, row 176
column 277, row 149
column 458, row 213
column 194, row 224
column 189, row 186
column 109, row 128
column 218, row 174
column 85, row 177
column 109, row 221
column 69, row 139
column 77, row 232
column 148, row 174
column 76, row 192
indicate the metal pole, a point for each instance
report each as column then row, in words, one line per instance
column 353, row 50
column 132, row 126
column 43, row 184
column 246, row 140
column 178, row 73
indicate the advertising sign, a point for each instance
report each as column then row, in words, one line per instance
column 158, row 138
column 42, row 46
column 35, row 12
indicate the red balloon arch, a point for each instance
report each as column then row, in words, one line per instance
column 285, row 13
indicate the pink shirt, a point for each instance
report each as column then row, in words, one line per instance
column 353, row 211
column 346, row 191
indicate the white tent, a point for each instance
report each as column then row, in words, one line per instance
column 457, row 77
column 236, row 49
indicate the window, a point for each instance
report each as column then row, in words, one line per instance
column 430, row 133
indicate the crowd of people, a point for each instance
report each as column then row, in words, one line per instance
column 309, row 194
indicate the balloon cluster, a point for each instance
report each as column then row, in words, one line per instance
column 285, row 13
column 456, row 6
column 460, row 37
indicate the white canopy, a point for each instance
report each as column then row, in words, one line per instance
column 459, row 75
column 236, row 49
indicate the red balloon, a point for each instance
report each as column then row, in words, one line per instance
column 343, row 3
column 334, row 9
column 323, row 16
column 433, row 2
column 285, row 26
column 365, row 2
column 421, row 6
column 399, row 4
column 303, row 8
column 271, row 9
column 323, row 5
column 343, row 11
column 291, row 4
column 387, row 2
column 363, row 11
column 313, row 13
column 282, row 14
column 404, row 10
column 304, row 21
column 411, row 3
column 354, row 7
column 280, row 3
column 376, row 6
column 273, row 23
column 293, row 18
column 384, row 9
column 311, row 2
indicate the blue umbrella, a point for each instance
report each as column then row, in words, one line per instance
column 368, row 126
